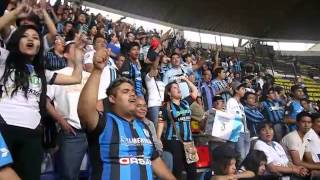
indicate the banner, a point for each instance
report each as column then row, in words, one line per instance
column 226, row 126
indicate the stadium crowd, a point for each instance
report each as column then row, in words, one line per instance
column 73, row 83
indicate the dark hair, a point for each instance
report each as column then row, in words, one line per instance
column 174, row 54
column 167, row 90
column 98, row 35
column 315, row 116
column 186, row 56
column 262, row 125
column 133, row 44
column 278, row 89
column 115, row 84
column 67, row 48
column 17, row 63
column 222, row 156
column 127, row 35
column 67, row 22
column 218, row 70
column 247, row 94
column 303, row 114
column 305, row 99
column 253, row 160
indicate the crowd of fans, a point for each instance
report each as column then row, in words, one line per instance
column 134, row 99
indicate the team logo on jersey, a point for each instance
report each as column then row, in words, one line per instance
column 4, row 152
column 146, row 132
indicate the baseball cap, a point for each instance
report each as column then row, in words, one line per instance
column 217, row 98
column 236, row 85
column 154, row 43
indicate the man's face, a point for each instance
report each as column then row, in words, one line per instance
column 316, row 125
column 298, row 94
column 131, row 37
column 251, row 100
column 119, row 61
column 59, row 45
column 304, row 124
column 124, row 98
column 82, row 19
column 141, row 108
column 206, row 76
column 99, row 43
column 271, row 95
column 134, row 52
column 68, row 27
column 219, row 104
column 222, row 74
column 175, row 60
column 305, row 105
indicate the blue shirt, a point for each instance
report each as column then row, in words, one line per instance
column 294, row 109
column 221, row 85
column 55, row 62
column 207, row 93
column 253, row 117
column 272, row 111
column 5, row 156
column 121, row 149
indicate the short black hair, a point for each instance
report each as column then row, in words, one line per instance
column 278, row 89
column 305, row 99
column 67, row 22
column 262, row 125
column 99, row 35
column 173, row 54
column 253, row 160
column 115, row 84
column 315, row 116
column 247, row 94
column 218, row 70
column 303, row 114
column 133, row 44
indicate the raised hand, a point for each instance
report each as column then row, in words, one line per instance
column 100, row 59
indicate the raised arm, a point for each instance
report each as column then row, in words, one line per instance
column 52, row 30
column 87, row 111
column 76, row 76
column 193, row 88
column 11, row 16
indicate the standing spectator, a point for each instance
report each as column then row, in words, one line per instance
column 119, row 61
column 140, row 113
column 67, row 28
column 274, row 113
column 221, row 86
column 93, row 31
column 206, row 90
column 55, row 59
column 114, row 45
column 73, row 141
column 235, row 107
column 253, row 115
column 81, row 23
column 296, row 143
column 181, row 115
column 21, row 107
column 175, row 72
column 120, row 145
column 131, row 68
column 277, row 160
column 294, row 106
column 126, row 43
column 99, row 42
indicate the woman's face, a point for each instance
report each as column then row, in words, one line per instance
column 266, row 134
column 175, row 92
column 231, row 168
column 262, row 168
column 29, row 43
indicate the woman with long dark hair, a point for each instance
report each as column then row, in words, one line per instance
column 180, row 114
column 23, row 87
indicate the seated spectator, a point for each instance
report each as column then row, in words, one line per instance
column 314, row 138
column 274, row 113
column 55, row 59
column 255, row 162
column 294, row 106
column 307, row 106
column 224, row 165
column 296, row 144
column 277, row 160
column 140, row 113
column 253, row 115
column 281, row 95
column 175, row 72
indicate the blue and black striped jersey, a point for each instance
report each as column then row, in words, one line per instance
column 121, row 149
column 181, row 115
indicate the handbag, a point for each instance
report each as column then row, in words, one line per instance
column 189, row 147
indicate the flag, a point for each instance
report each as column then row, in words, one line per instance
column 226, row 126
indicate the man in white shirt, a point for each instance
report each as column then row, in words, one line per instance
column 296, row 143
column 73, row 142
column 314, row 138
column 235, row 107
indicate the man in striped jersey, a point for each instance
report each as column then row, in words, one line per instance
column 221, row 87
column 121, row 146
column 206, row 90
